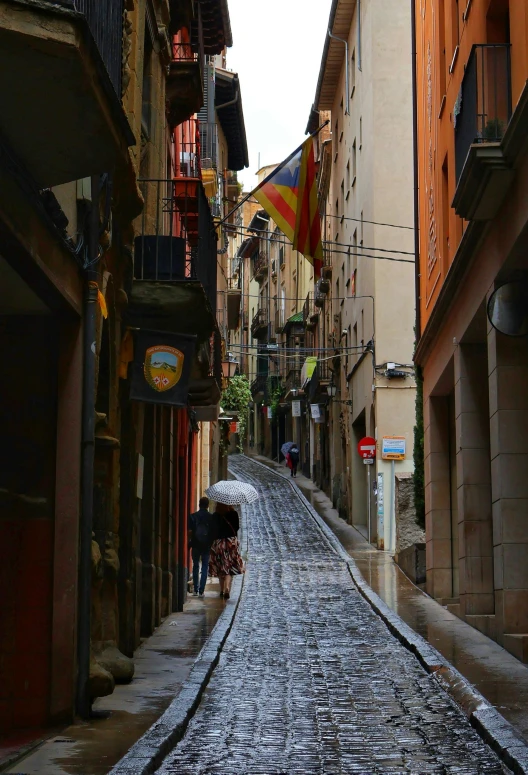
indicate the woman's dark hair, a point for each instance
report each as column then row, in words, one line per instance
column 204, row 503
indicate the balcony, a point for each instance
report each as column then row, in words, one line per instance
column 327, row 262
column 60, row 80
column 209, row 145
column 280, row 320
column 260, row 266
column 234, row 300
column 483, row 174
column 259, row 324
column 293, row 382
column 174, row 286
column 310, row 313
column 184, row 89
column 258, row 386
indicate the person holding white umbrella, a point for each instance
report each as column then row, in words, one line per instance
column 225, row 560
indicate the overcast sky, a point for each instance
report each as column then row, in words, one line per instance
column 277, row 48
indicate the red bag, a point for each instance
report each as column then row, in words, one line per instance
column 289, row 461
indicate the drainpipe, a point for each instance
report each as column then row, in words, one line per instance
column 231, row 102
column 87, row 463
column 347, row 88
column 418, row 323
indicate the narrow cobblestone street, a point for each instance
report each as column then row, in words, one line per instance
column 310, row 679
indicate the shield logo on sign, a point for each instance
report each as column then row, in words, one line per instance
column 163, row 367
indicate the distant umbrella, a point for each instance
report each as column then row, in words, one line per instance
column 232, row 492
column 286, row 447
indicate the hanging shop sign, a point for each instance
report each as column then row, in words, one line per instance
column 162, row 367
column 296, row 408
column 315, row 411
column 393, row 448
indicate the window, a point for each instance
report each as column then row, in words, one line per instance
column 360, row 132
column 343, row 198
column 361, row 230
column 354, row 161
column 353, row 73
column 348, row 177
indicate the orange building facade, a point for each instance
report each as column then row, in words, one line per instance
column 472, row 115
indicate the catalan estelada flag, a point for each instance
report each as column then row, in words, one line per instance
column 289, row 196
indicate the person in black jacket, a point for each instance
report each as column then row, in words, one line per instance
column 201, row 536
column 225, row 560
column 294, row 457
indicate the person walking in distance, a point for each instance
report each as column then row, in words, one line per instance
column 201, row 537
column 226, row 560
column 294, row 457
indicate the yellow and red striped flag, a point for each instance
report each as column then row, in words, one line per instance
column 289, row 196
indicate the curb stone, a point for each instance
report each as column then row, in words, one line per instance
column 494, row 729
column 148, row 753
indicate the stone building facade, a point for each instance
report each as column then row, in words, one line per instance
column 95, row 487
column 362, row 307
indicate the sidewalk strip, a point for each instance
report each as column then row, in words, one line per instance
column 147, row 755
column 495, row 730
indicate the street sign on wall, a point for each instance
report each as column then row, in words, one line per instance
column 367, row 448
column 315, row 411
column 296, row 408
column 393, row 448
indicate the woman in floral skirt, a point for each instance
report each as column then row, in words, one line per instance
column 225, row 560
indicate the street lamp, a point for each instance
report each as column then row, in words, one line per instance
column 229, row 366
column 332, row 390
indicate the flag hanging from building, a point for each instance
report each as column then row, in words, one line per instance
column 289, row 196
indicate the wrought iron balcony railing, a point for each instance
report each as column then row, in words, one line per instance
column 176, row 238
column 182, row 52
column 260, row 265
column 209, row 145
column 106, row 24
column 293, row 380
column 260, row 321
column 258, row 386
column 484, row 108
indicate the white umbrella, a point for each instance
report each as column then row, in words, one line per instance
column 232, row 492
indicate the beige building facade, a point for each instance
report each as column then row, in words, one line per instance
column 367, row 292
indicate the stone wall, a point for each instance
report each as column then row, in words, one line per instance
column 408, row 532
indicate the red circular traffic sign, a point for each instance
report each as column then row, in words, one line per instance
column 367, row 448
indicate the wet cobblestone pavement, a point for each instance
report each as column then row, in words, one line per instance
column 310, row 680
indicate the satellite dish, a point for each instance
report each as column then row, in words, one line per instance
column 508, row 309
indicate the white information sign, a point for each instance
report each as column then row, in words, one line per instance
column 393, row 447
column 315, row 411
column 296, row 408
column 270, row 412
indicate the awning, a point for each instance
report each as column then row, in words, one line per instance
column 228, row 103
column 259, row 222
column 247, row 247
column 308, row 370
